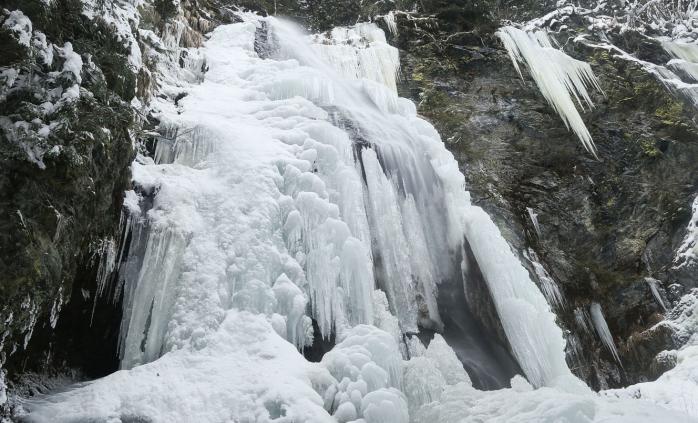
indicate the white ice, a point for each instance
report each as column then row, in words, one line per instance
column 688, row 251
column 602, row 329
column 559, row 77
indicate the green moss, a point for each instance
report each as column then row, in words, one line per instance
column 670, row 113
column 600, row 56
column 649, row 147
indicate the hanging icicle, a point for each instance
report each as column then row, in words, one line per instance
column 558, row 76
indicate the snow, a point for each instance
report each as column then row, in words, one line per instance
column 43, row 48
column 132, row 202
column 683, row 319
column 558, row 76
column 72, row 62
column 19, row 24
column 521, row 403
column 677, row 389
column 245, row 348
column 121, row 16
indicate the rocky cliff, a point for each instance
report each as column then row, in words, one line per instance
column 605, row 225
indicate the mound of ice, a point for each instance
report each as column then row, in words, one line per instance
column 244, row 371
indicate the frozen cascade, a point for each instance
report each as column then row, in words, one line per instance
column 285, row 190
column 528, row 323
column 558, row 76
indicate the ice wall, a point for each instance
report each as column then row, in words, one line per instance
column 529, row 324
column 345, row 190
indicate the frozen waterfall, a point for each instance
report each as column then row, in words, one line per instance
column 292, row 186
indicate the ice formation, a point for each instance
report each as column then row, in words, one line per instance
column 534, row 219
column 688, row 251
column 291, row 184
column 548, row 286
column 602, row 329
column 654, row 288
column 558, row 76
column 685, row 55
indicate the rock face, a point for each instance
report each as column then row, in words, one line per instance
column 66, row 142
column 605, row 225
column 72, row 80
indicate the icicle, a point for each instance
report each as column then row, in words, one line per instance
column 575, row 350
column 602, row 330
column 149, row 299
column 391, row 243
column 530, row 327
column 558, row 76
column 106, row 251
column 654, row 288
column 389, row 19
column 688, row 251
column 583, row 319
column 534, row 220
column 550, row 288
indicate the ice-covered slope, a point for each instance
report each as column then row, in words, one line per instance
column 296, row 162
column 285, row 190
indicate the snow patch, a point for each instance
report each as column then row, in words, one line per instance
column 20, row 25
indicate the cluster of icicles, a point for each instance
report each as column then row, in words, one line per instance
column 559, row 77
